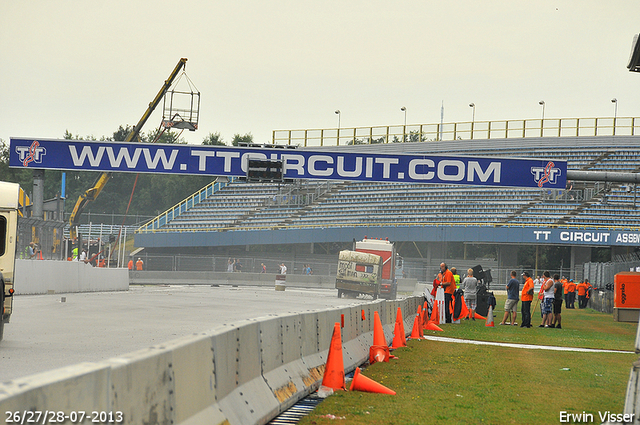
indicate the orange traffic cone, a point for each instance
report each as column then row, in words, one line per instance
column 490, row 317
column 362, row 383
column 378, row 332
column 435, row 314
column 433, row 327
column 465, row 309
column 478, row 316
column 378, row 353
column 398, row 337
column 334, row 370
column 425, row 313
column 400, row 321
column 417, row 329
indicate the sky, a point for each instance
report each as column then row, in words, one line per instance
column 88, row 66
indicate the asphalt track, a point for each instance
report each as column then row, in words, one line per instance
column 46, row 333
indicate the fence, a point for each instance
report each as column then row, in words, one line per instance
column 46, row 234
column 600, row 274
column 424, row 270
column 601, row 300
column 548, row 127
column 242, row 264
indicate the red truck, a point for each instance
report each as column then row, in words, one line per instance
column 390, row 260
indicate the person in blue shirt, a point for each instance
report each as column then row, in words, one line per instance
column 510, row 306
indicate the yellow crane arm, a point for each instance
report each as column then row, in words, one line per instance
column 92, row 193
column 167, row 85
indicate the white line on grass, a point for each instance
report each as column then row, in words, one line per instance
column 529, row 346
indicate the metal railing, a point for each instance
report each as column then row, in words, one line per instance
column 506, row 129
column 280, row 226
column 299, row 194
column 184, row 205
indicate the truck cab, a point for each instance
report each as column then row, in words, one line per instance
column 9, row 193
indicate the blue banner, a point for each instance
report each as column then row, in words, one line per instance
column 82, row 155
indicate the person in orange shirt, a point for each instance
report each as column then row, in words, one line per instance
column 571, row 294
column 582, row 294
column 589, row 288
column 130, row 265
column 527, row 297
column 565, row 289
column 139, row 264
column 448, row 282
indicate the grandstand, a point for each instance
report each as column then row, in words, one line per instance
column 253, row 206
column 241, row 213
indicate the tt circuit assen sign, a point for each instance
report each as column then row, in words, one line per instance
column 585, row 237
column 81, row 155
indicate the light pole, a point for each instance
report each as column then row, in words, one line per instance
column 473, row 117
column 338, row 132
column 542, row 120
column 404, row 128
column 615, row 114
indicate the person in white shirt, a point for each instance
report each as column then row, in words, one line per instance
column 547, row 301
column 283, row 269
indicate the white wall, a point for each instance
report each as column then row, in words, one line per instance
column 41, row 276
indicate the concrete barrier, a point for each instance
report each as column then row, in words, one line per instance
column 224, row 278
column 242, row 373
column 43, row 276
column 407, row 284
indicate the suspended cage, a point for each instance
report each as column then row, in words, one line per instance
column 181, row 105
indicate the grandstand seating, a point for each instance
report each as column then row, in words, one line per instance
column 243, row 205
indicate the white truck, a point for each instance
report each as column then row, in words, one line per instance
column 358, row 273
column 9, row 193
column 391, row 262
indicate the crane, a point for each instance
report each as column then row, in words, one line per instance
column 92, row 193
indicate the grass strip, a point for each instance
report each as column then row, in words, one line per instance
column 584, row 328
column 449, row 383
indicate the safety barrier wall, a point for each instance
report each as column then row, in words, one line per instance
column 42, row 277
column 224, row 278
column 242, row 373
column 243, row 279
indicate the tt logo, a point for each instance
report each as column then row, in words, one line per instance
column 546, row 174
column 33, row 153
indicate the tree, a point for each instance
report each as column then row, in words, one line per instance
column 167, row 137
column 238, row 139
column 153, row 192
column 16, row 175
column 213, row 139
column 355, row 141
